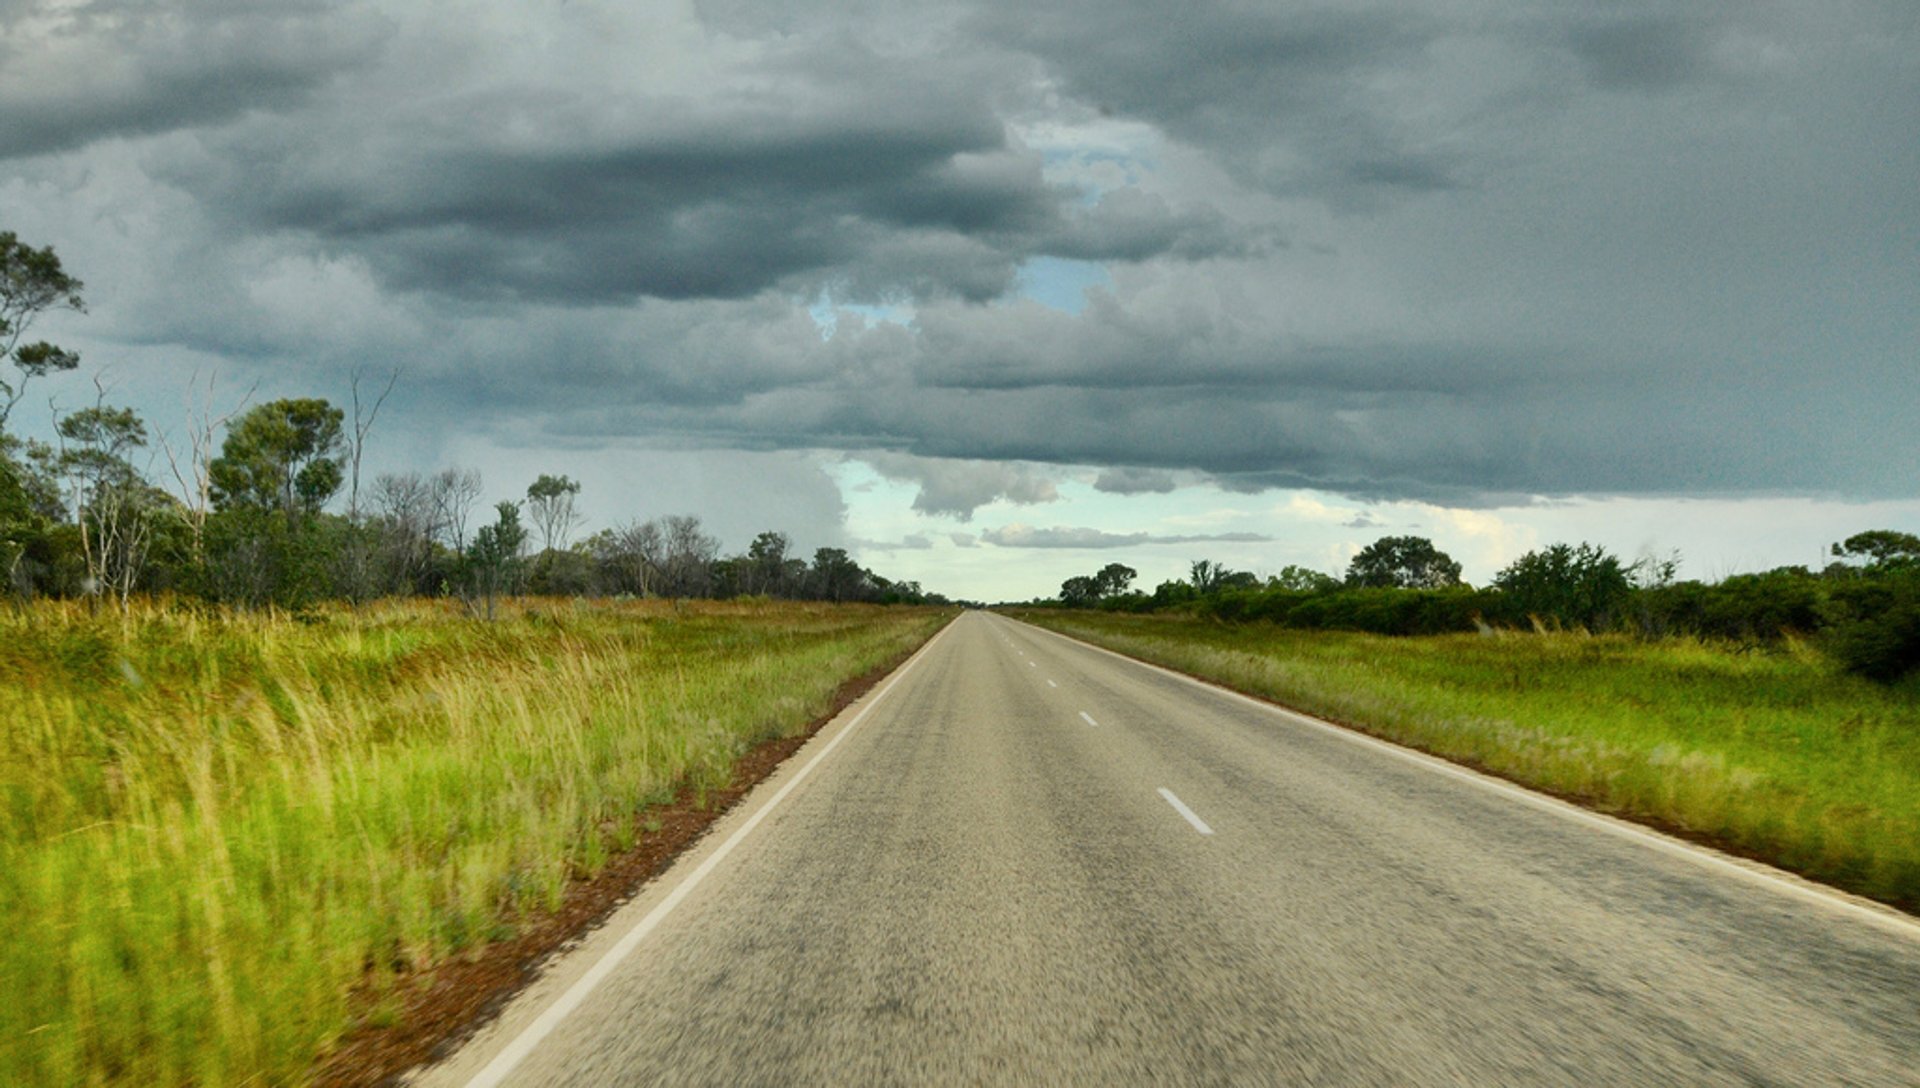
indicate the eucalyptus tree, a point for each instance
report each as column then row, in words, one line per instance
column 32, row 283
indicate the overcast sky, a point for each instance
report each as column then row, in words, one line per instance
column 995, row 293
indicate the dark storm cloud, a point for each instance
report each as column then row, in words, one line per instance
column 1134, row 481
column 73, row 74
column 1062, row 536
column 877, row 176
column 1439, row 250
column 1281, row 93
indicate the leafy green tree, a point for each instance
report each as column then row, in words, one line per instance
column 766, row 567
column 493, row 561
column 1114, row 579
column 1403, row 562
column 1577, row 585
column 835, row 576
column 1296, row 579
column 1204, row 576
column 31, row 283
column 283, row 455
column 1881, row 549
column 1079, row 591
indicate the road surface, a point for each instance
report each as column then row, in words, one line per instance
column 1026, row 861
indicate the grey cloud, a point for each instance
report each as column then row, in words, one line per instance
column 101, row 69
column 1060, row 536
column 964, row 540
column 1705, row 290
column 1644, row 53
column 913, row 542
column 825, row 164
column 1281, row 94
column 1134, row 481
column 958, row 487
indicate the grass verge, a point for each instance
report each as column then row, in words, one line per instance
column 1775, row 756
column 216, row 829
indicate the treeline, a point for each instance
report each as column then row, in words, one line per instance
column 249, row 522
column 1864, row 608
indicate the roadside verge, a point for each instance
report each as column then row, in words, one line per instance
column 436, row 1010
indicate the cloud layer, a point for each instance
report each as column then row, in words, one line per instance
column 1444, row 251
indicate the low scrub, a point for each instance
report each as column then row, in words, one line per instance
column 1780, row 755
column 213, row 827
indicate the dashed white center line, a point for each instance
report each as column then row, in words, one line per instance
column 1088, row 718
column 1051, row 684
column 1033, row 664
column 1198, row 824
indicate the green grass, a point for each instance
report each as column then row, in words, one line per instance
column 1779, row 756
column 214, row 827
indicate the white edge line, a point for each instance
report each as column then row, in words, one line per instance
column 1755, row 872
column 1088, row 718
column 531, row 1036
column 1180, row 807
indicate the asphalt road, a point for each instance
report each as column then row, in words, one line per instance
column 1027, row 861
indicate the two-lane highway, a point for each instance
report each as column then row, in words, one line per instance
column 1024, row 860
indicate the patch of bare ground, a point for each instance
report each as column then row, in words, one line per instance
column 427, row 1014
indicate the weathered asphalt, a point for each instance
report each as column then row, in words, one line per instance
column 977, row 886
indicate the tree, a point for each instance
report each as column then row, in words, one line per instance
column 362, row 424
column 112, row 504
column 835, row 576
column 1079, row 591
column 1204, row 575
column 494, row 559
column 1404, row 562
column 1882, row 549
column 1113, row 579
column 1296, row 579
column 1576, row 585
column 282, row 455
column 766, row 566
column 550, row 501
column 454, row 493
column 31, row 283
column 409, row 522
column 197, row 492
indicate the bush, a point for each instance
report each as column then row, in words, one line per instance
column 1578, row 586
column 1880, row 636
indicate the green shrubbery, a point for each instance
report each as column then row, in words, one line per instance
column 1865, row 612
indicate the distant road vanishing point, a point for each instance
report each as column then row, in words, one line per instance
column 1022, row 860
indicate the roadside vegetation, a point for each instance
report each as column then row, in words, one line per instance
column 1775, row 752
column 1776, row 714
column 1862, row 609
column 215, row 825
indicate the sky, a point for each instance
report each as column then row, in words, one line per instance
column 993, row 294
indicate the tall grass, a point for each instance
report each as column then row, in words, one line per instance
column 213, row 827
column 1779, row 756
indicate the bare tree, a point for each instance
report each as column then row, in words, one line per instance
column 195, row 477
column 409, row 523
column 455, row 490
column 358, row 439
column 640, row 552
column 689, row 557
